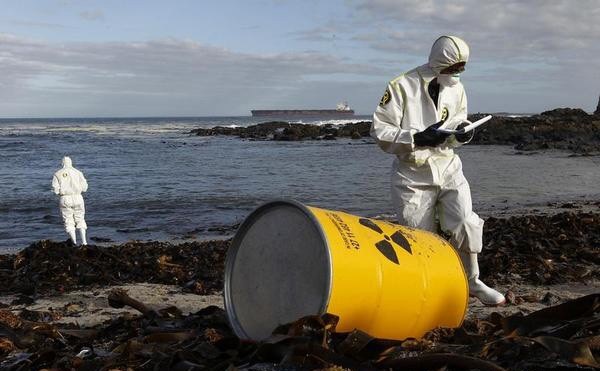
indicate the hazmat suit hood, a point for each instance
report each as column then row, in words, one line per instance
column 66, row 162
column 447, row 51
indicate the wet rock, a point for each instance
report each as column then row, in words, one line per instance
column 564, row 128
column 23, row 300
column 570, row 129
column 217, row 130
column 551, row 299
column 565, row 112
column 100, row 239
column 285, row 131
column 355, row 129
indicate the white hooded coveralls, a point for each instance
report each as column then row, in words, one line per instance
column 429, row 179
column 69, row 183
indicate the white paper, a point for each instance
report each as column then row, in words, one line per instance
column 467, row 128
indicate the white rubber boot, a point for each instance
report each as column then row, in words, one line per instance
column 487, row 295
column 72, row 236
column 82, row 234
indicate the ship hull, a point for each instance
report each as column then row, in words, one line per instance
column 303, row 112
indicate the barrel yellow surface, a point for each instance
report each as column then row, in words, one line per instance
column 289, row 260
column 391, row 281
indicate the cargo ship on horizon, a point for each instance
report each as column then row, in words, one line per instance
column 342, row 110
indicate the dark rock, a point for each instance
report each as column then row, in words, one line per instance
column 23, row 300
column 100, row 239
column 597, row 111
column 562, row 129
column 569, row 129
column 363, row 129
column 217, row 130
column 285, row 131
column 569, row 205
column 329, row 130
column 550, row 299
column 565, row 112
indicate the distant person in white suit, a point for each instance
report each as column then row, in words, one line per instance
column 69, row 183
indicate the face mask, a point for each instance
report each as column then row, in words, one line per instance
column 449, row 80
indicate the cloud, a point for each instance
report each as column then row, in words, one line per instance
column 510, row 28
column 525, row 56
column 30, row 24
column 540, row 49
column 159, row 77
column 321, row 33
column 92, row 15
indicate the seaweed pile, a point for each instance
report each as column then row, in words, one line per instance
column 529, row 249
column 45, row 266
column 563, row 337
column 542, row 250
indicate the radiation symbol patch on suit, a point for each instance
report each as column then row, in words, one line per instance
column 444, row 114
column 385, row 246
column 386, row 98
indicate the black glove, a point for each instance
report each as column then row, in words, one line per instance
column 430, row 137
column 464, row 137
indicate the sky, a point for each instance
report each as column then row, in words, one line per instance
column 118, row 58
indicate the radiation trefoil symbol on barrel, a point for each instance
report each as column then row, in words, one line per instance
column 385, row 245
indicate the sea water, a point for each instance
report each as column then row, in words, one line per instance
column 149, row 179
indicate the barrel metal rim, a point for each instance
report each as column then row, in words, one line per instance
column 234, row 247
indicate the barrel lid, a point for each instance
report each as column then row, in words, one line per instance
column 277, row 270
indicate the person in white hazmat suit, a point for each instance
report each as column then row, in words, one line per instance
column 429, row 190
column 69, row 183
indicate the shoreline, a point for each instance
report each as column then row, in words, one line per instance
column 501, row 209
column 198, row 264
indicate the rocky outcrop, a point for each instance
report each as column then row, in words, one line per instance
column 565, row 113
column 285, row 131
column 570, row 129
column 597, row 111
column 563, row 128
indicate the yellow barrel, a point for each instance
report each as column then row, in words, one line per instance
column 288, row 260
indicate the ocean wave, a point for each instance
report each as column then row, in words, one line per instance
column 334, row 122
column 116, row 131
column 142, row 127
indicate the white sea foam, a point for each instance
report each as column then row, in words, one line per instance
column 67, row 129
column 338, row 122
column 518, row 115
column 117, row 129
